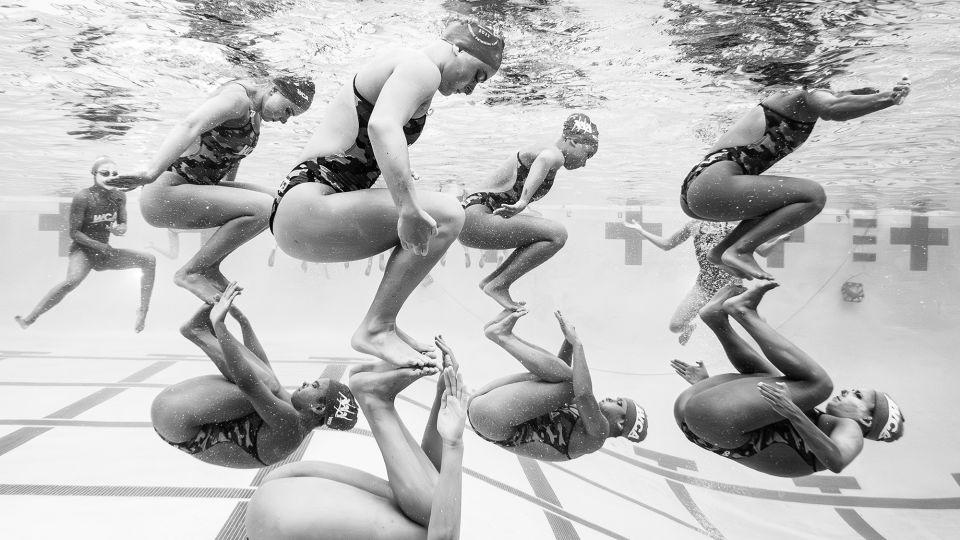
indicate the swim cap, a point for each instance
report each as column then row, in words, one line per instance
column 888, row 421
column 477, row 40
column 580, row 129
column 99, row 162
column 635, row 424
column 299, row 90
column 341, row 406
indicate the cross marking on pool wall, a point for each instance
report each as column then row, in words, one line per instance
column 58, row 222
column 919, row 236
column 633, row 240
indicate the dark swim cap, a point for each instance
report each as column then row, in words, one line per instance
column 299, row 90
column 887, row 425
column 341, row 407
column 479, row 41
column 580, row 129
column 635, row 424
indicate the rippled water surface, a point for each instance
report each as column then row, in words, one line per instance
column 662, row 80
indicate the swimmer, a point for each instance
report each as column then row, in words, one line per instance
column 97, row 212
column 550, row 412
column 243, row 419
column 420, row 499
column 729, row 185
column 190, row 183
column 325, row 211
column 710, row 279
column 765, row 417
column 493, row 216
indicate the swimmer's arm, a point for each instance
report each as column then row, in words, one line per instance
column 250, row 339
column 78, row 211
column 411, row 84
column 120, row 227
column 591, row 418
column 271, row 408
column 837, row 450
column 827, row 106
column 445, row 511
column 223, row 107
column 545, row 163
column 665, row 244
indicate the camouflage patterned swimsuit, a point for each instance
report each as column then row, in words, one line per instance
column 345, row 172
column 553, row 429
column 781, row 136
column 705, row 237
column 241, row 432
column 221, row 149
column 496, row 199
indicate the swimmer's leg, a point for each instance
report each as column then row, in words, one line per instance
column 768, row 205
column 534, row 239
column 147, row 263
column 181, row 409
column 333, row 471
column 744, row 358
column 350, row 226
column 240, row 214
column 199, row 331
column 78, row 267
column 412, row 476
column 496, row 412
column 536, row 360
column 682, row 320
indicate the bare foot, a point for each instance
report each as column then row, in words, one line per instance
column 22, row 322
column 715, row 257
column 712, row 311
column 422, row 348
column 141, row 320
column 216, row 277
column 385, row 344
column 198, row 323
column 199, row 285
column 747, row 301
column 690, row 373
column 501, row 295
column 503, row 325
column 383, row 385
column 744, row 263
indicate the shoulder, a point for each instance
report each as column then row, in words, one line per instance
column 416, row 66
column 231, row 96
column 82, row 196
column 552, row 156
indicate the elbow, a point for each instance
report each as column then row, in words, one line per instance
column 379, row 129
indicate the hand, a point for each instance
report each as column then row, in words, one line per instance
column 569, row 332
column 507, row 211
column 901, row 90
column 127, row 182
column 453, row 408
column 690, row 373
column 219, row 311
column 778, row 396
column 629, row 223
column 119, row 229
column 449, row 360
column 415, row 229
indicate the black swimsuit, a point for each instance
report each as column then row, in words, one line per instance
column 242, row 432
column 345, row 172
column 496, row 199
column 781, row 136
column 781, row 432
column 101, row 211
column 221, row 149
column 553, row 429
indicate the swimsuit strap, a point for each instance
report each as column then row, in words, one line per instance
column 359, row 95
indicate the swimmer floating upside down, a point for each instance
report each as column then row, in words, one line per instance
column 549, row 413
column 765, row 416
column 325, row 211
column 729, row 185
column 97, row 212
column 190, row 181
column 494, row 218
column 422, row 496
column 245, row 418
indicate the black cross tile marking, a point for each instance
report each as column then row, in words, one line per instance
column 777, row 255
column 919, row 236
column 633, row 240
column 58, row 222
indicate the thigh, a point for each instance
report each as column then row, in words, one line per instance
column 719, row 193
column 314, row 225
column 78, row 265
column 125, row 258
column 687, row 309
column 497, row 413
column 180, row 409
column 170, row 202
column 484, row 230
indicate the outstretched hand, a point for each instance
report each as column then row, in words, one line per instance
column 690, row 373
column 901, row 90
column 127, row 182
column 778, row 396
column 218, row 313
column 451, row 419
column 507, row 211
column 632, row 224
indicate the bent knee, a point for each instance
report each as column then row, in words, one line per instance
column 817, row 195
column 558, row 235
column 449, row 216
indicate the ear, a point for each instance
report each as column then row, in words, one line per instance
column 866, row 421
